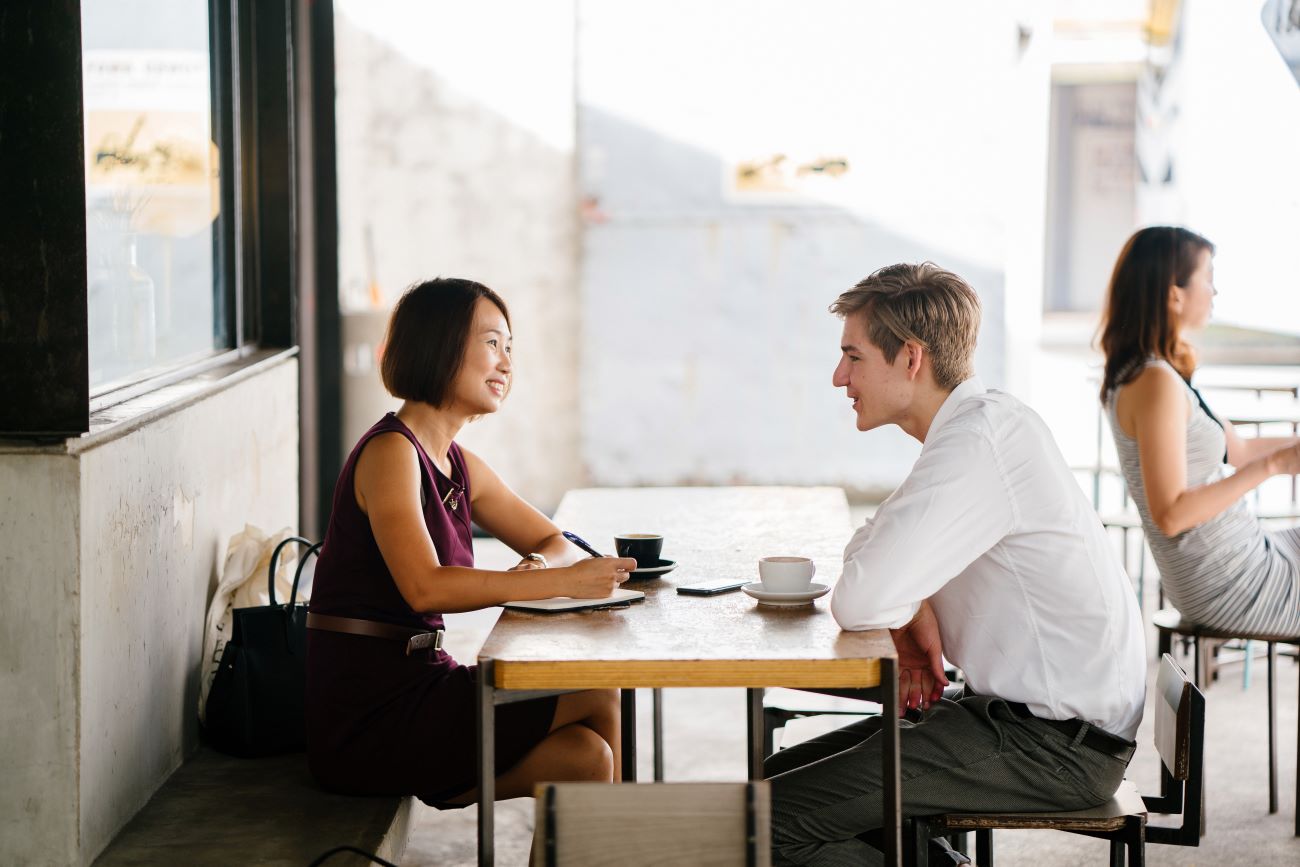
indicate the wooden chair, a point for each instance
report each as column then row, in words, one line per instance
column 634, row 824
column 1169, row 623
column 780, row 706
column 1180, row 741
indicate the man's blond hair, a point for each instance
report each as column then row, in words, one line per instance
column 922, row 303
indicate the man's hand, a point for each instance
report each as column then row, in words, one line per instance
column 920, row 661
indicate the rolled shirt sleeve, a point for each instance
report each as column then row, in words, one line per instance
column 953, row 507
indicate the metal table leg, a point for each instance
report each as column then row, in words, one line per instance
column 486, row 760
column 754, row 732
column 628, row 703
column 1272, row 725
column 658, row 695
column 891, row 829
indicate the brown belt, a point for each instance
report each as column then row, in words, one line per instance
column 415, row 639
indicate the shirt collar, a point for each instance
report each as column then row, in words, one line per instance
column 969, row 388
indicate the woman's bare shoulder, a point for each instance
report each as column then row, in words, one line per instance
column 1156, row 380
column 1156, row 390
column 387, row 452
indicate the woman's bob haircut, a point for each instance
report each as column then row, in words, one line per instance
column 427, row 334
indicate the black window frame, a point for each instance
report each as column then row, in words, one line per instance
column 44, row 374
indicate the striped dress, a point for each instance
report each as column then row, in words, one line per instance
column 1227, row 573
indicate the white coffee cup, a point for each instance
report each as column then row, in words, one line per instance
column 786, row 574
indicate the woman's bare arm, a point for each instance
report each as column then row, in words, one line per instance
column 1243, row 450
column 513, row 520
column 1155, row 404
column 388, row 491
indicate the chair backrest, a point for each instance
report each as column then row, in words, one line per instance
column 1180, row 741
column 713, row 824
column 1173, row 708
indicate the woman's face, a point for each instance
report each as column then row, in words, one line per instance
column 484, row 377
column 1193, row 303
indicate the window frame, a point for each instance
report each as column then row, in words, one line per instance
column 44, row 327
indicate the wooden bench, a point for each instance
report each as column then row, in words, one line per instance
column 220, row 810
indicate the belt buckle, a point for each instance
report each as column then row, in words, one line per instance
column 424, row 641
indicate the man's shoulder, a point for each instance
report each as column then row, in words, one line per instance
column 988, row 414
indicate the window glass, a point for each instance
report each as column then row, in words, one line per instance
column 152, row 193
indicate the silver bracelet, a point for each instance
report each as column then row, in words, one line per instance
column 538, row 558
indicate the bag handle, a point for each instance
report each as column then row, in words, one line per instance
column 314, row 549
column 275, row 558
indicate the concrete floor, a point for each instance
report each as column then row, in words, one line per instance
column 704, row 740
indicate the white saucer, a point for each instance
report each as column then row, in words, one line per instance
column 664, row 567
column 767, row 597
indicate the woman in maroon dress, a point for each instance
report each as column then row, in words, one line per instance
column 397, row 555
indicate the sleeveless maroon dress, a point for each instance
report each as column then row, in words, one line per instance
column 380, row 722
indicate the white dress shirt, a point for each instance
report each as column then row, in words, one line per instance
column 990, row 526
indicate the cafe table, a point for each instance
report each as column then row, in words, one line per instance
column 672, row 640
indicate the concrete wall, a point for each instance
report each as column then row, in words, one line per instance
column 39, row 651
column 1235, row 163
column 110, row 554
column 707, row 350
column 676, row 332
column 455, row 154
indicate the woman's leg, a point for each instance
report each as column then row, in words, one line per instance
column 598, row 710
column 583, row 745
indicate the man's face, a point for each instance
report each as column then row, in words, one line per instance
column 881, row 391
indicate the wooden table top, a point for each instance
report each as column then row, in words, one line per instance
column 670, row 640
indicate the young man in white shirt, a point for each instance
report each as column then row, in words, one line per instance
column 987, row 553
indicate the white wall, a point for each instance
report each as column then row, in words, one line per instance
column 455, row 155
column 110, row 553
column 708, row 350
column 1236, row 161
column 670, row 328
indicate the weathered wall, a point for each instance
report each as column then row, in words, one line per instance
column 670, row 328
column 39, row 629
column 158, row 507
column 707, row 350
column 455, row 154
column 110, row 553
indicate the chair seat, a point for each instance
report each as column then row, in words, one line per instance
column 1170, row 620
column 805, row 702
column 1110, row 816
column 1126, row 520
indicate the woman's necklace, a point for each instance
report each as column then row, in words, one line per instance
column 451, row 499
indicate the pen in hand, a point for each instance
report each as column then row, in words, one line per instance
column 581, row 543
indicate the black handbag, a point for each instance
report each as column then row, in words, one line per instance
column 255, row 705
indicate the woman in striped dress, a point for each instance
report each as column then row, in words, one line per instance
column 1187, row 471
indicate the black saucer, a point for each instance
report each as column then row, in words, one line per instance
column 661, row 567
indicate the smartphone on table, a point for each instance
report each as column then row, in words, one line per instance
column 711, row 588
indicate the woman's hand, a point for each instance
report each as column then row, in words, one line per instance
column 594, row 578
column 1285, row 461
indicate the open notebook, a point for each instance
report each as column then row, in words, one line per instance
column 619, row 597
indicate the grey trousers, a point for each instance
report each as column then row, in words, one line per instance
column 969, row 755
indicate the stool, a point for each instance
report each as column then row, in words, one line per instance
column 1180, row 742
column 1169, row 623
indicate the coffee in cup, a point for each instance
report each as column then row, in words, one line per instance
column 644, row 548
column 786, row 574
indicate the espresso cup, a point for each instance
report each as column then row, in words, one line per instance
column 786, row 574
column 644, row 548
